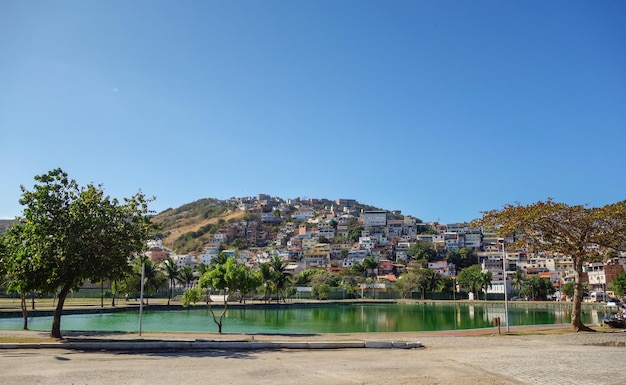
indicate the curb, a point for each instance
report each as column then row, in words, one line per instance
column 205, row 345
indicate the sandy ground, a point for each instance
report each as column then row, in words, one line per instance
column 528, row 356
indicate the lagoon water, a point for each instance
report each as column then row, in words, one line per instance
column 345, row 318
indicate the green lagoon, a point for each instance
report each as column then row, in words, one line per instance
column 342, row 318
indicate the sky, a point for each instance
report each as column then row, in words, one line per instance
column 439, row 109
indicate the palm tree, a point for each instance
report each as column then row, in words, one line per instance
column 185, row 276
column 171, row 269
column 518, row 280
column 484, row 281
column 432, row 279
column 153, row 278
column 203, row 268
column 358, row 269
column 220, row 259
column 371, row 265
column 266, row 280
column 280, row 278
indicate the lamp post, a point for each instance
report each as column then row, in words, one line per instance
column 143, row 269
column 506, row 299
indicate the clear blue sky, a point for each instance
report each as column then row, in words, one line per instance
column 440, row 109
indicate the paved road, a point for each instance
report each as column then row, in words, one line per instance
column 581, row 358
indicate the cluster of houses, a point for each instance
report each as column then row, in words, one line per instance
column 312, row 233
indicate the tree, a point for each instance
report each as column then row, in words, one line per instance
column 171, row 270
column 321, row 291
column 279, row 277
column 564, row 229
column 474, row 279
column 191, row 296
column 518, row 278
column 422, row 251
column 74, row 234
column 218, row 260
column 154, row 279
column 408, row 283
column 432, row 280
column 222, row 277
column 185, row 276
column 462, row 258
column 371, row 266
column 354, row 231
column 250, row 280
column 537, row 287
column 484, row 281
column 568, row 289
column 17, row 267
column 357, row 269
column 267, row 282
column 619, row 284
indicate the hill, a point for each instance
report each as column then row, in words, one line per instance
column 5, row 224
column 186, row 229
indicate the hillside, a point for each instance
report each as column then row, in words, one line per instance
column 5, row 224
column 186, row 228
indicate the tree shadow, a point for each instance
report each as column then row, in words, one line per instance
column 190, row 353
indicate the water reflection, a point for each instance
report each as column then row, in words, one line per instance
column 343, row 318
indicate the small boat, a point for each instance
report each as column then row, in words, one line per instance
column 614, row 322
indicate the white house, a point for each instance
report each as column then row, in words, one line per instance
column 303, row 215
column 374, row 218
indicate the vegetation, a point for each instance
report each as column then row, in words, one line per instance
column 17, row 267
column 172, row 272
column 474, row 279
column 228, row 278
column 422, row 253
column 462, row 258
column 564, row 229
column 537, row 287
column 619, row 284
column 70, row 234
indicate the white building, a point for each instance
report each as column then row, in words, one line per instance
column 374, row 218
column 303, row 215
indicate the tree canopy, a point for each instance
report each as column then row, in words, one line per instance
column 70, row 234
column 563, row 229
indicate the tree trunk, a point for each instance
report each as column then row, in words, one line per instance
column 24, row 310
column 113, row 292
column 170, row 296
column 56, row 320
column 219, row 321
column 577, row 324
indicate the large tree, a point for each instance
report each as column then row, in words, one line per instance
column 74, row 234
column 563, row 229
column 474, row 279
